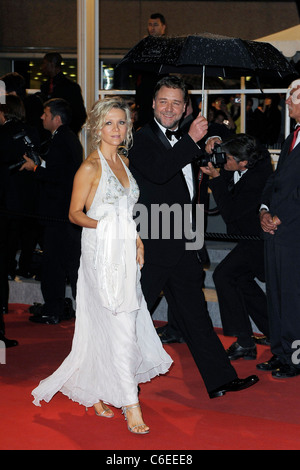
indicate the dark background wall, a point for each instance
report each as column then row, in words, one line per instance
column 40, row 24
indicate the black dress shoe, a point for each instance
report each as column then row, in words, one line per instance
column 286, row 371
column 161, row 329
column 4, row 309
column 263, row 340
column 272, row 364
column 46, row 319
column 167, row 338
column 68, row 312
column 25, row 274
column 9, row 343
column 235, row 351
column 36, row 309
column 234, row 386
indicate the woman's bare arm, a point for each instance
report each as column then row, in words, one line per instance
column 85, row 183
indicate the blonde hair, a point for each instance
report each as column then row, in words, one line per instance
column 96, row 119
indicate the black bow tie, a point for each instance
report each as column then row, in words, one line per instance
column 176, row 134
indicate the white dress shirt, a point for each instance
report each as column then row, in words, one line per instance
column 238, row 174
column 187, row 170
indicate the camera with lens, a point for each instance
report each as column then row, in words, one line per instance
column 30, row 150
column 217, row 158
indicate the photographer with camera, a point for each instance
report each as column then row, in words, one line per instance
column 18, row 194
column 61, row 243
column 237, row 189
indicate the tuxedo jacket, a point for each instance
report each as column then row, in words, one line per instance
column 239, row 207
column 282, row 195
column 157, row 168
column 63, row 159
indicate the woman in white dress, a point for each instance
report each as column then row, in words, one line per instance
column 115, row 345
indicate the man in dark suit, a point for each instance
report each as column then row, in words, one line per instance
column 164, row 177
column 237, row 189
column 15, row 84
column 146, row 80
column 169, row 333
column 17, row 196
column 60, row 86
column 61, row 245
column 280, row 220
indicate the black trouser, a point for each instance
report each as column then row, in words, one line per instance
column 172, row 327
column 61, row 255
column 182, row 286
column 283, row 293
column 4, row 257
column 239, row 295
column 23, row 235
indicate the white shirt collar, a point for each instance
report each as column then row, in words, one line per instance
column 163, row 129
column 238, row 175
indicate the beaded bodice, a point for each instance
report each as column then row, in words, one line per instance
column 110, row 191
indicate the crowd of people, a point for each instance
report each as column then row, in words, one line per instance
column 40, row 153
column 264, row 118
column 82, row 214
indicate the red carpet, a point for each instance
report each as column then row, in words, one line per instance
column 175, row 406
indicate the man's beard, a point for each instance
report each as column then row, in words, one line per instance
column 173, row 125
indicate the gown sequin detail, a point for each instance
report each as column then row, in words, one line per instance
column 115, row 346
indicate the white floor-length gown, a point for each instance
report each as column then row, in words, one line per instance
column 115, row 345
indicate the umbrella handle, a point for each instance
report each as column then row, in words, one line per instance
column 203, row 84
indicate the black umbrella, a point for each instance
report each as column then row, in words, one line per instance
column 208, row 54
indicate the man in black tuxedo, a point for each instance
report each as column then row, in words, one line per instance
column 60, row 86
column 169, row 333
column 280, row 221
column 163, row 174
column 237, row 189
column 61, row 244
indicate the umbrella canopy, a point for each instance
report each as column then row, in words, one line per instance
column 222, row 56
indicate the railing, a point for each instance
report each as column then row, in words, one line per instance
column 205, row 93
column 241, row 91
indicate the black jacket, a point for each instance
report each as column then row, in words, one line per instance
column 239, row 208
column 56, row 180
column 282, row 195
column 18, row 189
column 156, row 166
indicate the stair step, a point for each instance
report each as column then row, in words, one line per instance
column 217, row 250
column 28, row 291
column 208, row 272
